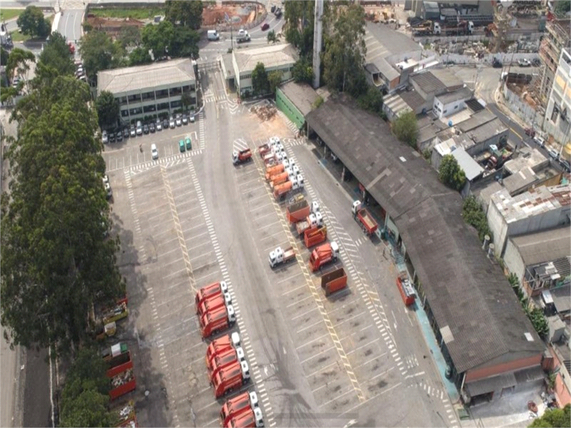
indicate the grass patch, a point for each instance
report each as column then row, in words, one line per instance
column 133, row 13
column 7, row 14
column 19, row 37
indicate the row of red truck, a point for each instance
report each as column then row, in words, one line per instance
column 225, row 359
column 282, row 174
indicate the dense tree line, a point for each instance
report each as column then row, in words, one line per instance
column 56, row 260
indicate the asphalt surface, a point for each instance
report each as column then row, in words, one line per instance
column 192, row 218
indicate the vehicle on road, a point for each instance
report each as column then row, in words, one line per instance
column 539, row 141
column 361, row 215
column 184, row 119
column 323, row 254
column 312, row 220
column 242, row 411
column 165, row 123
column 524, row 62
column 406, row 289
column 241, row 156
column 104, row 137
column 277, row 179
column 152, row 128
column 188, row 143
column 119, row 136
column 212, row 35
column 192, row 118
column 280, row 256
column 145, row 129
column 217, row 320
column 111, row 137
column 181, row 146
column 315, row 235
column 139, row 128
column 265, row 26
column 496, row 63
column 221, row 344
column 214, row 302
column 224, row 359
column 154, row 152
column 133, row 131
column 126, row 133
column 565, row 164
column 243, row 36
column 334, row 281
column 107, row 185
column 530, row 132
column 552, row 152
column 159, row 125
column 172, row 123
column 231, row 378
column 178, row 120
column 207, row 291
column 298, row 211
column 273, row 170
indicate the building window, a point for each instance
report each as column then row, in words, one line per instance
column 124, row 113
column 122, row 100
column 135, row 111
column 163, row 106
column 134, row 98
column 164, row 93
column 148, row 96
column 150, row 109
column 176, row 104
column 246, row 76
column 186, row 89
column 175, row 92
column 554, row 113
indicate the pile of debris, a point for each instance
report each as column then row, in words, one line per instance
column 264, row 110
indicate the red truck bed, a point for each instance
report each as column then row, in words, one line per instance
column 369, row 224
column 334, row 281
column 315, row 236
column 406, row 290
column 298, row 211
column 122, row 383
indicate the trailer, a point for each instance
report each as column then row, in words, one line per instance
column 315, row 235
column 279, row 256
column 283, row 189
column 217, row 320
column 406, row 289
column 313, row 220
column 208, row 291
column 323, row 254
column 122, row 383
column 230, row 378
column 114, row 351
column 222, row 343
column 361, row 215
column 334, row 281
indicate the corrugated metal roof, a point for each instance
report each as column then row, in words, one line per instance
column 470, row 167
column 544, row 246
column 274, row 56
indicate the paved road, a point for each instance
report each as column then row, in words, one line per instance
column 70, row 24
column 193, row 218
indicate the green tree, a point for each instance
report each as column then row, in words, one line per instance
column 8, row 94
column 139, row 56
column 184, row 43
column 554, row 418
column 107, row 110
column 55, row 260
column 405, row 127
column 19, row 62
column 99, row 53
column 186, row 100
column 299, row 19
column 539, row 322
column 302, row 71
column 451, row 174
column 55, row 55
column 345, row 50
column 372, row 100
column 33, row 23
column 158, row 38
column 4, row 54
column 130, row 35
column 274, row 80
column 87, row 410
column 272, row 38
column 185, row 13
column 562, row 7
column 260, row 82
column 474, row 215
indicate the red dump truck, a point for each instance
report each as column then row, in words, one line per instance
column 242, row 411
column 273, row 170
column 231, row 378
column 241, row 156
column 334, row 281
column 315, row 235
column 312, row 220
column 223, row 359
column 122, row 377
column 209, row 291
column 222, row 343
column 360, row 214
column 406, row 289
column 214, row 302
column 323, row 254
column 279, row 256
column 217, row 320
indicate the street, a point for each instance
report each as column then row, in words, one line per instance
column 192, row 218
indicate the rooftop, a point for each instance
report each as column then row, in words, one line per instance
column 529, row 204
column 301, row 95
column 477, row 119
column 478, row 314
column 520, row 181
column 470, row 167
column 160, row 74
column 437, row 81
column 460, row 94
column 271, row 56
column 544, row 246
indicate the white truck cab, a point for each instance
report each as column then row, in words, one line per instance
column 245, row 370
column 213, row 35
column 231, row 314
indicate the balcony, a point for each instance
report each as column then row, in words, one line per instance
column 548, row 55
column 558, row 31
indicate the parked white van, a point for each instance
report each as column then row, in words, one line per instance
column 213, row 35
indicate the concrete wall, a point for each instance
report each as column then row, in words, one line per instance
column 289, row 109
column 505, row 58
column 445, row 110
column 498, row 227
column 513, row 261
column 515, row 365
column 525, row 112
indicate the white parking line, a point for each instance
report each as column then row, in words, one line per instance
column 322, row 368
column 168, row 252
column 299, row 301
column 265, row 215
column 245, row 192
column 180, row 213
column 311, row 341
column 272, row 235
column 263, row 195
column 380, row 374
column 206, row 407
column 202, row 255
column 289, row 277
column 349, row 319
column 169, row 241
column 159, row 214
column 252, row 210
column 294, row 289
column 369, row 361
column 316, row 355
column 337, row 398
column 194, row 227
column 362, row 346
column 206, row 276
column 198, row 246
column 249, row 181
column 268, row 225
column 309, row 326
column 305, row 313
column 174, row 273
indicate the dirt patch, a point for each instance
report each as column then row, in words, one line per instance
column 244, row 13
column 112, row 26
column 265, row 111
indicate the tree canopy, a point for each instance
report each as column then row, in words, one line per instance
column 474, row 215
column 554, row 418
column 99, row 53
column 260, row 83
column 185, row 13
column 33, row 23
column 371, row 100
column 345, row 50
column 130, row 35
column 139, row 56
column 55, row 55
column 299, row 19
column 302, row 70
column 158, row 38
column 405, row 127
column 451, row 174
column 107, row 110
column 272, row 38
column 56, row 261
column 274, row 80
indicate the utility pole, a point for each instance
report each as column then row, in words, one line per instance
column 317, row 42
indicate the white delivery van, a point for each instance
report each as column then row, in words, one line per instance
column 213, row 35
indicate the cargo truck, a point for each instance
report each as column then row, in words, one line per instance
column 244, row 404
column 273, row 170
column 241, row 156
column 315, row 235
column 314, row 219
column 264, row 149
column 334, row 281
column 223, row 359
column 364, row 218
column 208, row 291
column 110, row 353
column 217, row 320
column 252, row 418
column 406, row 289
column 298, row 211
column 214, row 302
column 222, row 343
column 279, row 256
column 230, row 378
column 278, row 179
column 323, row 254
column 283, row 189
column 122, row 383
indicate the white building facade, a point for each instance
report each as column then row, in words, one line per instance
column 558, row 114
